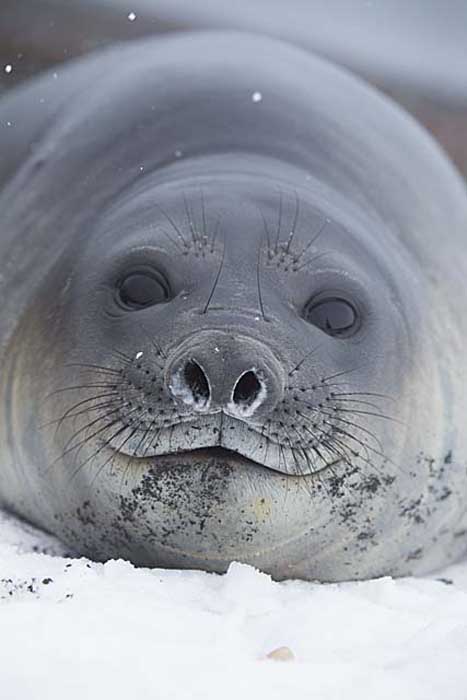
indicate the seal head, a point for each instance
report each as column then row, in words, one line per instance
column 226, row 345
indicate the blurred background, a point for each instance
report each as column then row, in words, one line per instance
column 414, row 50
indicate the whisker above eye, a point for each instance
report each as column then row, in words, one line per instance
column 313, row 240
column 258, row 284
column 294, row 223
column 216, row 280
column 173, row 224
column 190, row 221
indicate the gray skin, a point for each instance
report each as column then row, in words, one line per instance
column 224, row 423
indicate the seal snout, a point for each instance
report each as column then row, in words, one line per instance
column 215, row 371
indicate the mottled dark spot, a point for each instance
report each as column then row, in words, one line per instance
column 416, row 554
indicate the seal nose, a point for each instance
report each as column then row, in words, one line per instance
column 194, row 385
column 215, row 371
column 248, row 390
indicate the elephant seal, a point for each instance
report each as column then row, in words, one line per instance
column 233, row 317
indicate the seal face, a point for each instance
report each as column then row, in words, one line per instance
column 231, row 330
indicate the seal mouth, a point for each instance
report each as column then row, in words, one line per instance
column 228, row 439
column 216, row 455
column 221, row 455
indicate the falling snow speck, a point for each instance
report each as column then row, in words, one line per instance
column 138, row 355
column 178, row 154
column 8, row 68
column 131, row 16
column 257, row 97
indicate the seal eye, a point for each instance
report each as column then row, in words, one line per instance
column 141, row 289
column 336, row 317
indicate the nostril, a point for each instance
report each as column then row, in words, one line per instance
column 247, row 390
column 196, row 381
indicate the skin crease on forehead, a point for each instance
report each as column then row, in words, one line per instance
column 321, row 190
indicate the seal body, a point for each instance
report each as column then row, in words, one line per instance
column 233, row 315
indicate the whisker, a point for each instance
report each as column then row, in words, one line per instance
column 172, row 223
column 298, row 468
column 314, row 239
column 83, row 442
column 335, row 410
column 203, row 215
column 112, row 456
column 325, row 380
column 189, row 216
column 359, row 412
column 215, row 282
column 365, row 445
column 359, row 402
column 98, row 451
column 266, row 232
column 353, row 424
column 258, row 282
column 304, row 451
column 215, row 234
column 279, row 224
column 171, row 240
column 297, row 366
column 89, row 425
column 104, row 385
column 122, row 356
column 70, row 413
column 155, row 345
column 294, row 223
column 305, row 263
column 100, row 368
column 363, row 393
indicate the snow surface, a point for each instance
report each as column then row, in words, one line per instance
column 71, row 628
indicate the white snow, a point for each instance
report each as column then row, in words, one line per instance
column 256, row 97
column 8, row 68
column 71, row 628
